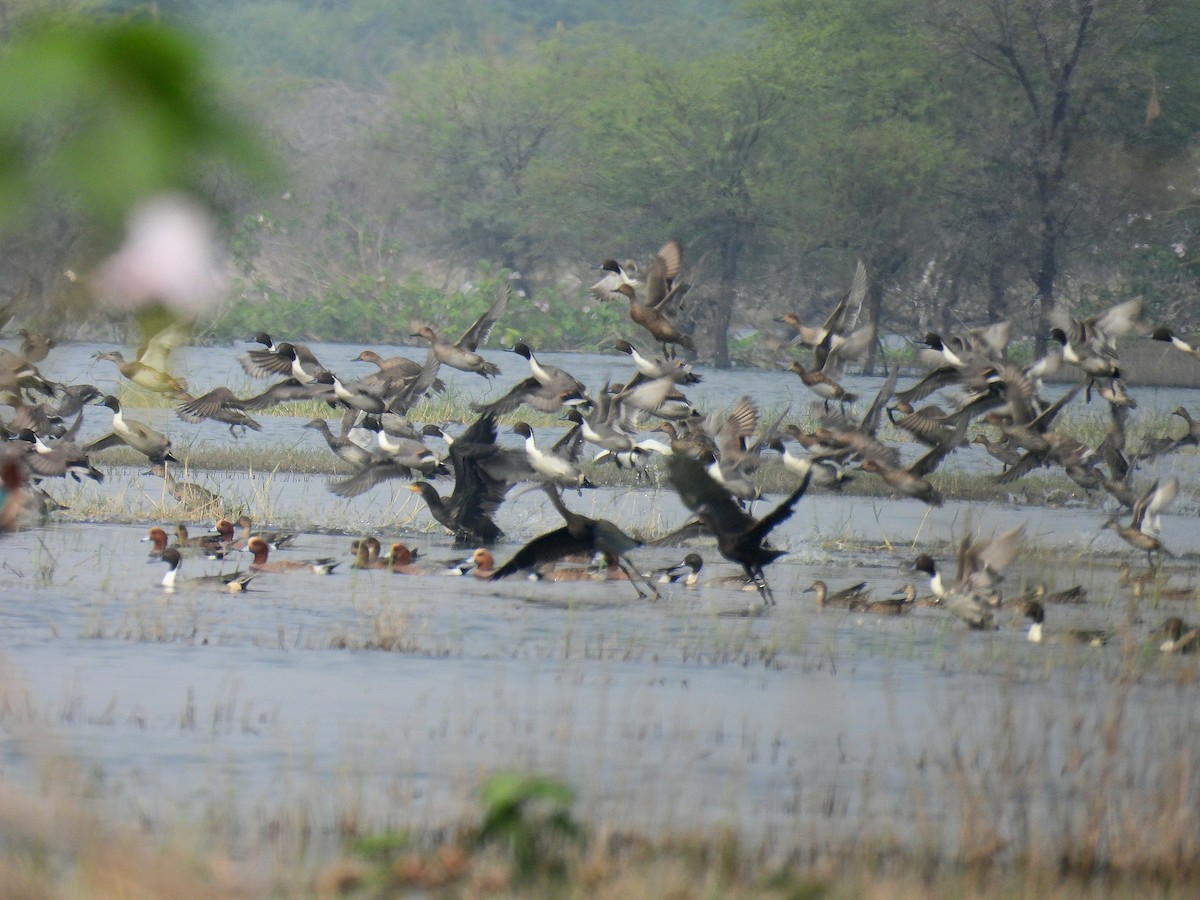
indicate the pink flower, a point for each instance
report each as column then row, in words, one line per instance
column 168, row 257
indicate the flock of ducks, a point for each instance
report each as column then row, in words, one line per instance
column 710, row 459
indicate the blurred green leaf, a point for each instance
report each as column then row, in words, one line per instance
column 109, row 113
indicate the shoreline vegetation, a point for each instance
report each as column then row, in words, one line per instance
column 311, row 458
column 995, row 835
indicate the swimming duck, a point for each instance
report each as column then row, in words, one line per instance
column 229, row 582
column 480, row 564
column 856, row 593
column 1041, row 594
column 158, row 539
column 205, row 542
column 908, row 595
column 259, row 548
column 275, row 539
column 400, row 559
column 692, row 564
column 1089, row 637
column 366, row 554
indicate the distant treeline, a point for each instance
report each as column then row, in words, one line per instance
column 985, row 160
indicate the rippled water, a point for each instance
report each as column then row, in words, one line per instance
column 391, row 698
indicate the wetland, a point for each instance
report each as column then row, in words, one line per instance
column 277, row 727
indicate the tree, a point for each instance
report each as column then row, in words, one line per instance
column 872, row 147
column 1059, row 82
column 478, row 128
column 677, row 148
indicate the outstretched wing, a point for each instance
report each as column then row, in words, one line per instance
column 549, row 547
column 479, row 331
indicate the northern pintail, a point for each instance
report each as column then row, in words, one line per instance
column 660, row 274
column 228, row 582
column 55, row 460
column 687, row 573
column 345, row 449
column 655, row 322
column 837, row 325
column 1154, row 447
column 1143, row 526
column 549, row 398
column 656, row 367
column 17, row 374
column 560, row 463
column 403, row 369
column 825, row 473
column 550, row 377
column 145, row 376
column 1093, row 637
column 284, row 358
column 822, row 385
column 1091, row 344
column 911, row 481
column 221, row 405
column 972, row 594
column 461, row 354
column 971, row 604
column 138, row 435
